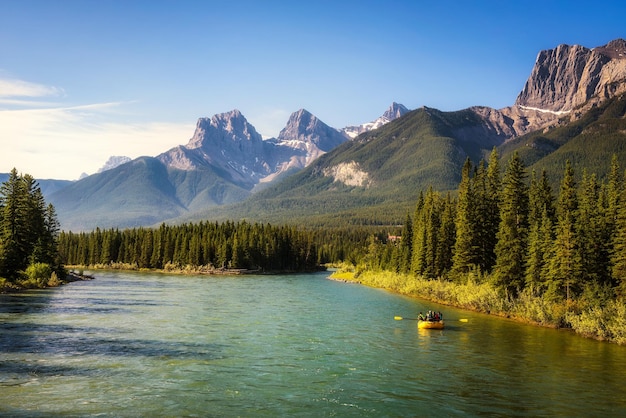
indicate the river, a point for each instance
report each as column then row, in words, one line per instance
column 143, row 344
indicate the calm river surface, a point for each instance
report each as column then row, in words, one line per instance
column 156, row 345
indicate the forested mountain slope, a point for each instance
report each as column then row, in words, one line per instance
column 588, row 142
column 375, row 178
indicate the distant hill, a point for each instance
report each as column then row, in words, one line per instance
column 48, row 186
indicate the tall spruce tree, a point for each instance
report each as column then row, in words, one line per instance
column 510, row 249
column 464, row 252
column 591, row 232
column 432, row 223
column 446, row 236
column 541, row 219
column 406, row 245
column 618, row 249
column 418, row 253
column 565, row 267
column 492, row 209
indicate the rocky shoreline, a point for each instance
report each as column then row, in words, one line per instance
column 76, row 277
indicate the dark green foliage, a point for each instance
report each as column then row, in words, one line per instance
column 434, row 235
column 228, row 245
column 464, row 257
column 541, row 217
column 618, row 253
column 28, row 228
column 512, row 237
column 567, row 249
column 565, row 268
column 588, row 143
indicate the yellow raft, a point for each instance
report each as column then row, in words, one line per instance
column 430, row 324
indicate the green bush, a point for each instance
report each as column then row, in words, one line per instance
column 606, row 322
column 37, row 275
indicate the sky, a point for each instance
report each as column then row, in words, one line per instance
column 84, row 80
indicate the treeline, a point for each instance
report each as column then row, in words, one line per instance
column 512, row 231
column 28, row 230
column 226, row 245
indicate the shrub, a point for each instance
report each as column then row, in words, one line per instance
column 37, row 275
column 54, row 280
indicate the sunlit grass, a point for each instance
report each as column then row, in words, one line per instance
column 601, row 321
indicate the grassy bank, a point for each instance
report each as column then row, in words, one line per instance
column 605, row 322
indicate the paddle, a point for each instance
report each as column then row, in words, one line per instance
column 400, row 318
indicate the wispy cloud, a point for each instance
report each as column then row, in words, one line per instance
column 21, row 88
column 48, row 140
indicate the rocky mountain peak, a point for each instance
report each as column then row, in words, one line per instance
column 395, row 111
column 223, row 128
column 114, row 161
column 302, row 121
column 568, row 76
column 305, row 128
column 616, row 49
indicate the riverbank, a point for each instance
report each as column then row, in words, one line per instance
column 186, row 270
column 20, row 285
column 604, row 323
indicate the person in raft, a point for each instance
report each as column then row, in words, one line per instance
column 430, row 316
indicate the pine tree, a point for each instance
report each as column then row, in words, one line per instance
column 419, row 238
column 591, row 232
column 406, row 245
column 464, row 251
column 618, row 254
column 540, row 214
column 446, row 237
column 492, row 211
column 513, row 230
column 565, row 266
column 12, row 239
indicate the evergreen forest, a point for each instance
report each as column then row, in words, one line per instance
column 506, row 243
column 28, row 234
column 203, row 246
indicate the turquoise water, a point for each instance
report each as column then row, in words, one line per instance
column 157, row 345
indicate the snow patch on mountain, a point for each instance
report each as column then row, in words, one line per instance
column 554, row 112
column 394, row 112
column 114, row 161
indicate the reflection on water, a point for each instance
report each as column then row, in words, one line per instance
column 157, row 345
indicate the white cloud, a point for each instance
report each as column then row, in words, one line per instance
column 63, row 142
column 20, row 88
column 53, row 140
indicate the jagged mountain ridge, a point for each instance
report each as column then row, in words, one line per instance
column 114, row 161
column 376, row 171
column 395, row 111
column 223, row 162
column 231, row 145
column 568, row 76
column 377, row 176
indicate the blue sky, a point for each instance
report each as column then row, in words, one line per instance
column 83, row 80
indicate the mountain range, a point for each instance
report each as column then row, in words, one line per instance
column 314, row 174
column 225, row 161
